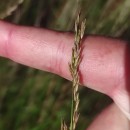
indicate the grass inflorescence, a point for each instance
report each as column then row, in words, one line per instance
column 74, row 69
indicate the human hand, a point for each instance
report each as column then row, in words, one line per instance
column 104, row 67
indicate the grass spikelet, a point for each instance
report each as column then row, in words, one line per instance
column 63, row 125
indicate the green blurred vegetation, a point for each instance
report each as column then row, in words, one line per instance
column 35, row 100
column 8, row 6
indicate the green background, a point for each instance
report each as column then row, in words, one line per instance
column 35, row 100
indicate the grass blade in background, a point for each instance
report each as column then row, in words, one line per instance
column 8, row 6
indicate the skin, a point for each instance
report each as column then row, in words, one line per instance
column 104, row 66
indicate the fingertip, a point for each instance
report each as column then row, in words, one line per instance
column 3, row 38
column 38, row 48
column 5, row 31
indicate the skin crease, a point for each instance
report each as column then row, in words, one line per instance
column 102, row 67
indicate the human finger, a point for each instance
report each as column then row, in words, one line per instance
column 104, row 66
column 111, row 118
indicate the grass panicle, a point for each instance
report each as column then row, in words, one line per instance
column 74, row 69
